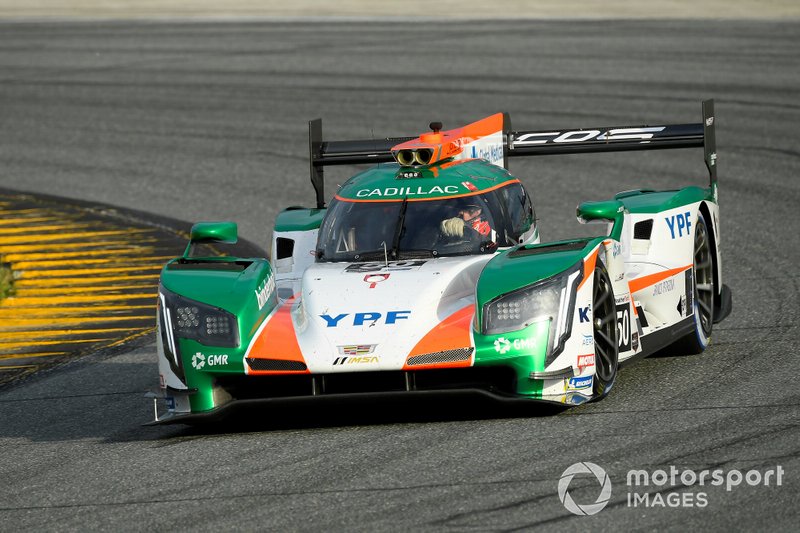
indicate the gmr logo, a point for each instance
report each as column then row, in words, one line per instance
column 502, row 345
column 680, row 223
column 371, row 317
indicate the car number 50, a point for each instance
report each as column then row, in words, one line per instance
column 624, row 329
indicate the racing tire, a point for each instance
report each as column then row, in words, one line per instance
column 606, row 343
column 703, row 290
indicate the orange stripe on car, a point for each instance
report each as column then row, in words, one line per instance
column 646, row 281
column 452, row 333
column 278, row 340
column 588, row 267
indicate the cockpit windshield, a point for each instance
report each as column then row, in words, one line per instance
column 404, row 229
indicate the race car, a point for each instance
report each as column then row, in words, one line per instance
column 425, row 272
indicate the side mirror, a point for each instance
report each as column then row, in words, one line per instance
column 208, row 232
column 225, row 232
column 612, row 211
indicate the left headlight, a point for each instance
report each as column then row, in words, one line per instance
column 552, row 299
column 190, row 319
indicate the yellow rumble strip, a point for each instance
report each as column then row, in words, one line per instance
column 74, row 279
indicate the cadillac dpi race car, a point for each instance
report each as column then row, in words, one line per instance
column 425, row 273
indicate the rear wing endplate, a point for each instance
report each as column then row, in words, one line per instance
column 528, row 143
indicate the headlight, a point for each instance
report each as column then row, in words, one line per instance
column 552, row 299
column 204, row 323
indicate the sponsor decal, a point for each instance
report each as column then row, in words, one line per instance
column 682, row 305
column 709, row 121
column 170, row 401
column 263, row 292
column 575, row 136
column 585, row 361
column 374, row 279
column 635, row 340
column 688, row 284
column 217, row 359
column 680, row 224
column 200, row 360
column 620, row 277
column 588, row 340
column 162, row 381
column 469, row 185
column 407, row 191
column 663, row 287
column 370, row 318
column 503, row 345
column 579, row 383
column 355, row 360
column 366, row 268
column 357, row 349
column 616, row 249
column 583, row 313
column 491, row 153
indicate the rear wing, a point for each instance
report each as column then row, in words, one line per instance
column 527, row 143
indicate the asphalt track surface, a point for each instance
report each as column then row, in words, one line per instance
column 208, row 121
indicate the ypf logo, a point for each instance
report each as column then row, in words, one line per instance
column 198, row 361
column 589, row 508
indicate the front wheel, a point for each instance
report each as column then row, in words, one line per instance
column 606, row 345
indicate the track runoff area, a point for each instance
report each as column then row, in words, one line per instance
column 75, row 279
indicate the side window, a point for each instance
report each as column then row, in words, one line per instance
column 520, row 209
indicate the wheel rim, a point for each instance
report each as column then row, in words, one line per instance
column 703, row 278
column 605, row 328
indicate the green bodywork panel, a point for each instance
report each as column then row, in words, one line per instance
column 515, row 269
column 525, row 265
column 647, row 201
column 294, row 219
column 227, row 283
column 389, row 181
column 524, row 350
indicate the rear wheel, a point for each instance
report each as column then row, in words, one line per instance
column 606, row 345
column 696, row 342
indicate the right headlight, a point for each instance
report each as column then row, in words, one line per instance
column 551, row 299
column 190, row 319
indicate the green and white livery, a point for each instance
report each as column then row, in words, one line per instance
column 425, row 273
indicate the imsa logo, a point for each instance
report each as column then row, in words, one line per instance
column 355, row 360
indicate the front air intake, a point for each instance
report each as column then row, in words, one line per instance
column 448, row 356
column 278, row 365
